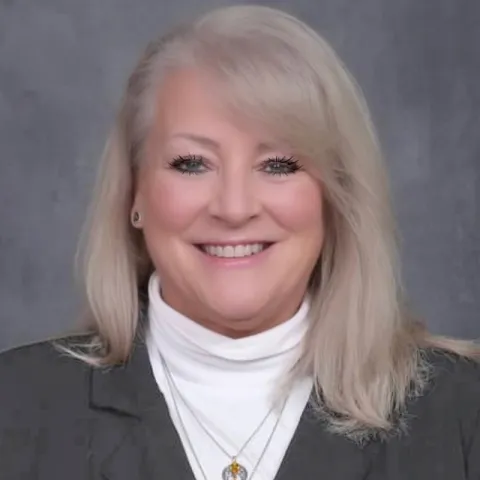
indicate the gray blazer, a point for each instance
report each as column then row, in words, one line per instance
column 63, row 420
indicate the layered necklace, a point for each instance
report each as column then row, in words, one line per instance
column 234, row 470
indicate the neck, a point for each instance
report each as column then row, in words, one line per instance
column 201, row 355
column 270, row 317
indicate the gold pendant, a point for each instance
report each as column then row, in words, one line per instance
column 234, row 471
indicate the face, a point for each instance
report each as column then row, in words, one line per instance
column 232, row 219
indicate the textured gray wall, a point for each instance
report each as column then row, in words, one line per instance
column 62, row 67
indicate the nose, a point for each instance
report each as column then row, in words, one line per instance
column 235, row 200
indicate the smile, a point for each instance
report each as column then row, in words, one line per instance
column 234, row 251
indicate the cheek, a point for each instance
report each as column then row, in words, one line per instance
column 298, row 206
column 169, row 204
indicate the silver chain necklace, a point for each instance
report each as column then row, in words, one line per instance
column 233, row 471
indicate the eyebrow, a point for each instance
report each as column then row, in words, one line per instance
column 208, row 142
column 205, row 141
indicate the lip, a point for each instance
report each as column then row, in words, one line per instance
column 232, row 262
column 233, row 243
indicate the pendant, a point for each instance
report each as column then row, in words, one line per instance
column 234, row 471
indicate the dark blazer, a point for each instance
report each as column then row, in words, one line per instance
column 63, row 420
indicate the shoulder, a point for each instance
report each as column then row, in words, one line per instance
column 451, row 373
column 44, row 409
column 40, row 378
column 38, row 360
column 451, row 399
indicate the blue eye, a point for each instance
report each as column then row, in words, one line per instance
column 280, row 166
column 189, row 164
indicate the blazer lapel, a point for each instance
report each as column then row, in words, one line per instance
column 134, row 437
column 316, row 453
column 132, row 434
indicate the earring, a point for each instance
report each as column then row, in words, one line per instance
column 136, row 218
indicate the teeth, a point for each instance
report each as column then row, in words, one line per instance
column 231, row 251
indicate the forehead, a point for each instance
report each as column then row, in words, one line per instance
column 190, row 105
column 187, row 97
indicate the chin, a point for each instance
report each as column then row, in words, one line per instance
column 234, row 307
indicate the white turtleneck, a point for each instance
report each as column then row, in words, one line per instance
column 230, row 384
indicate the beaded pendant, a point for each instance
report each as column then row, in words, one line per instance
column 234, row 471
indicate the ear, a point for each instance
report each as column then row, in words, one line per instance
column 136, row 216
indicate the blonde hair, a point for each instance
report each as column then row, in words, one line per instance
column 364, row 349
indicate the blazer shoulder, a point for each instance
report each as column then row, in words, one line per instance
column 454, row 389
column 44, row 356
column 451, row 369
column 40, row 377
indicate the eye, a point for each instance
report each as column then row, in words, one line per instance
column 280, row 166
column 189, row 164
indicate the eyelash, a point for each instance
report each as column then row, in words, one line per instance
column 179, row 163
column 289, row 162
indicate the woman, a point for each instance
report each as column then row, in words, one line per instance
column 246, row 319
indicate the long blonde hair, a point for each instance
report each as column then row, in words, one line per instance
column 364, row 350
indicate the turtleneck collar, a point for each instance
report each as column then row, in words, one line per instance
column 198, row 355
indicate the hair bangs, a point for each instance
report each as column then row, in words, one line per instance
column 264, row 84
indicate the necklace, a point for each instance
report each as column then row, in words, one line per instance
column 190, row 408
column 233, row 471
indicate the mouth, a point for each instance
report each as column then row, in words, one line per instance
column 234, row 251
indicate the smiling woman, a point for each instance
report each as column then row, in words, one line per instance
column 212, row 189
column 245, row 316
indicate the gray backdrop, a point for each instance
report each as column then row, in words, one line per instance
column 63, row 64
